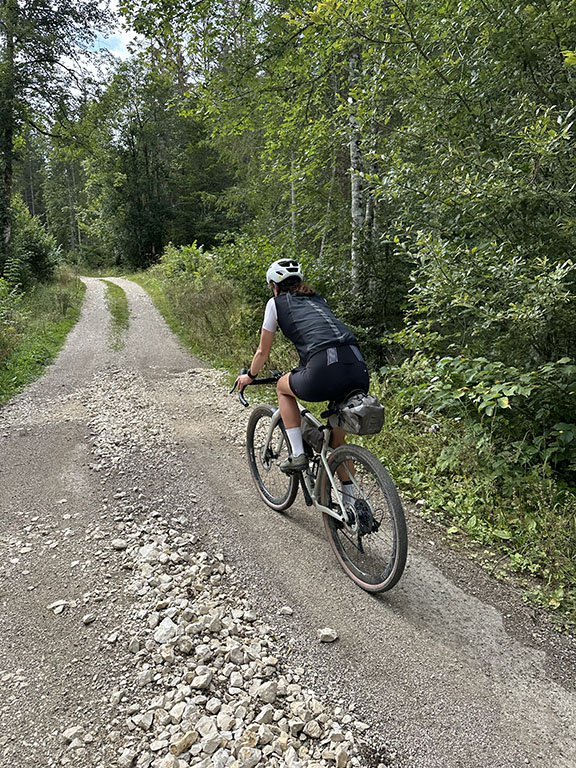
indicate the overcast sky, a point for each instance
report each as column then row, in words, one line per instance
column 116, row 43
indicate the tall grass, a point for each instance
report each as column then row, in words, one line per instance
column 120, row 314
column 33, row 331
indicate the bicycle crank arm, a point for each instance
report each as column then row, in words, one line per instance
column 305, row 491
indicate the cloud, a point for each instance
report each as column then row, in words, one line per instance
column 116, row 43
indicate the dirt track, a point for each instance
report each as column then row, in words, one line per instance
column 450, row 669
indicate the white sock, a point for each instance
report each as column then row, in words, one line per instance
column 295, row 437
column 348, row 492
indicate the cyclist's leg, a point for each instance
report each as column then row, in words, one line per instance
column 337, row 438
column 287, row 403
column 291, row 418
column 344, row 472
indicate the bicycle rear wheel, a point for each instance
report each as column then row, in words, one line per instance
column 275, row 487
column 372, row 546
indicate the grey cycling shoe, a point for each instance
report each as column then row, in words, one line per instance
column 295, row 463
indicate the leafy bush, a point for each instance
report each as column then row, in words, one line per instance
column 182, row 261
column 492, row 300
column 245, row 262
column 34, row 252
column 529, row 416
column 466, row 477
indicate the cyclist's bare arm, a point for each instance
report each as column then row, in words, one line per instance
column 260, row 358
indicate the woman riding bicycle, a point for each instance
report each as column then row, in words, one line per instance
column 331, row 365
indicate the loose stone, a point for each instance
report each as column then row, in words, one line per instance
column 268, row 691
column 72, row 733
column 127, row 758
column 184, row 743
column 166, row 631
column 248, row 757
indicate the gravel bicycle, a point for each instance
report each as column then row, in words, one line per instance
column 366, row 528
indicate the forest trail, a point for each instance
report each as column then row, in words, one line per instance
column 449, row 670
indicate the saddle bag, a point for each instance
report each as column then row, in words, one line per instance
column 358, row 414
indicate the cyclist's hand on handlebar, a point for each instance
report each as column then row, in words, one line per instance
column 242, row 381
column 241, row 384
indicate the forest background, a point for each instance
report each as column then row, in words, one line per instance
column 417, row 157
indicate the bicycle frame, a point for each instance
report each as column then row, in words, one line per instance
column 312, row 488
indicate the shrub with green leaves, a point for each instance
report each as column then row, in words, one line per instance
column 11, row 317
column 33, row 254
column 530, row 416
column 182, row 261
column 494, row 300
column 245, row 262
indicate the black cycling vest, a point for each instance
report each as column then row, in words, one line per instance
column 310, row 324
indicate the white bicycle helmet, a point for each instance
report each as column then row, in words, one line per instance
column 282, row 269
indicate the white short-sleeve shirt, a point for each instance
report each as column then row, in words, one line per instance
column 270, row 317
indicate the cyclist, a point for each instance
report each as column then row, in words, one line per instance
column 331, row 365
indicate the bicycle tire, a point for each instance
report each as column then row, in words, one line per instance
column 277, row 489
column 373, row 547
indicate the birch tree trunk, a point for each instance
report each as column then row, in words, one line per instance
column 370, row 223
column 356, row 185
column 328, row 207
column 292, row 201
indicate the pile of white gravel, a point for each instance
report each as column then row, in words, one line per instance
column 209, row 685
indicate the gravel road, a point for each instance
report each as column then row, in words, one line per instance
column 156, row 614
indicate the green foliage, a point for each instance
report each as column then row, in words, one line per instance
column 465, row 477
column 183, row 261
column 143, row 174
column 42, row 52
column 472, row 300
column 34, row 253
column 245, row 261
column 41, row 320
column 523, row 414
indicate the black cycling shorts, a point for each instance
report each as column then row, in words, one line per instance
column 330, row 375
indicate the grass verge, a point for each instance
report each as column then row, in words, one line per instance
column 117, row 304
column 45, row 316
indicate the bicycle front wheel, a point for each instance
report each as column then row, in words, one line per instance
column 265, row 455
column 372, row 546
